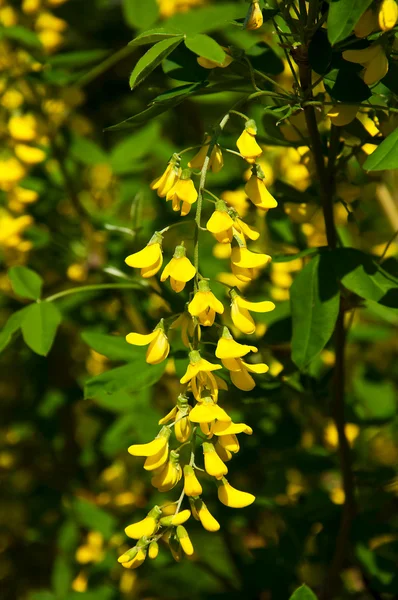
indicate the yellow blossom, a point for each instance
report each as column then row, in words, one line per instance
column 247, row 144
column 30, row 6
column 388, row 15
column 216, row 161
column 23, row 128
column 204, row 304
column 221, row 223
column 207, row 411
column 254, row 18
column 227, row 347
column 257, row 192
column 183, row 427
column 342, row 114
column 187, row 324
column 229, row 443
column 373, row 59
column 137, row 560
column 214, row 466
column 150, row 259
column 192, row 486
column 50, row 39
column 169, row 475
column 151, row 448
column 184, row 540
column 240, row 312
column 366, row 24
column 177, row 519
column 11, row 229
column 46, row 20
column 183, row 191
column 153, row 550
column 232, row 497
column 197, row 365
column 165, row 182
column 205, row 517
column 240, row 372
column 146, row 527
column 179, row 269
column 237, row 199
column 11, row 172
column 159, row 346
column 29, row 154
column 207, row 63
column 222, row 428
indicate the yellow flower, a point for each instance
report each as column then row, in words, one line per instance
column 11, row 229
column 227, row 347
column 221, row 223
column 207, row 63
column 254, row 18
column 165, row 182
column 373, row 59
column 23, row 128
column 136, row 561
column 153, row 550
column 232, row 497
column 240, row 312
column 192, row 486
column 257, row 192
column 202, row 514
column 205, row 305
column 237, row 199
column 239, row 372
column 197, row 365
column 180, row 270
column 169, row 476
column 184, row 540
column 366, row 24
column 50, row 39
column 177, row 519
column 247, row 144
column 246, row 230
column 151, row 448
column 343, row 114
column 183, row 191
column 150, row 258
column 242, row 257
column 23, row 195
column 159, row 346
column 231, row 428
column 183, row 427
column 11, row 172
column 30, row 6
column 187, row 324
column 29, row 154
column 214, row 466
column 216, row 162
column 222, row 452
column 146, row 527
column 388, row 15
column 46, row 20
column 229, row 443
column 207, row 411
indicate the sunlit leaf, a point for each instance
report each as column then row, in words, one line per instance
column 151, row 59
column 25, row 282
column 39, row 326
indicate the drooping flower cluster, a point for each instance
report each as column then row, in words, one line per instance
column 197, row 421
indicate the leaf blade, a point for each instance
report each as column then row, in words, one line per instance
column 385, row 156
column 151, row 59
column 343, row 16
column 25, row 282
column 40, row 325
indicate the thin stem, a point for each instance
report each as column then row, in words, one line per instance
column 387, row 247
column 273, row 82
column 289, row 61
column 97, row 287
column 241, row 115
column 211, row 194
column 105, row 65
column 176, row 225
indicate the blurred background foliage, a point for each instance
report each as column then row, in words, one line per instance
column 74, row 202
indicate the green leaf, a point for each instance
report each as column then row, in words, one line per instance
column 315, row 301
column 154, row 35
column 12, row 326
column 61, row 577
column 77, row 59
column 343, row 16
column 360, row 273
column 303, row 593
column 151, row 59
column 86, row 151
column 113, row 347
column 289, row 257
column 135, row 376
column 42, row 595
column 25, row 282
column 374, row 399
column 141, row 117
column 385, row 156
column 20, row 34
column 68, row 536
column 139, row 14
column 90, row 516
column 205, row 46
column 182, row 64
column 39, row 326
column 346, row 85
column 181, row 91
column 206, row 19
column 264, row 59
column 133, row 147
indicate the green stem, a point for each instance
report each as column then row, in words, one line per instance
column 105, row 65
column 100, row 286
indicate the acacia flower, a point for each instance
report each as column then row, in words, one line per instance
column 229, row 443
column 179, row 269
column 247, row 144
column 205, row 305
column 23, row 128
column 207, row 411
column 150, row 258
column 183, row 191
column 146, row 527
column 202, row 514
column 153, row 550
column 136, row 561
column 231, row 428
column 184, row 540
column 183, row 427
column 214, row 466
column 254, row 17
column 192, row 485
column 197, row 365
column 388, row 15
column 240, row 372
column 187, row 324
column 159, row 346
column 366, row 24
column 155, row 451
column 232, row 497
column 240, row 311
column 169, row 475
column 207, row 63
column 227, row 347
column 373, row 59
column 222, row 452
column 165, row 182
column 221, row 223
column 257, row 192
column 177, row 519
column 342, row 114
column 216, row 161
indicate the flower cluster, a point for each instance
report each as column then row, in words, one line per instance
column 197, row 424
